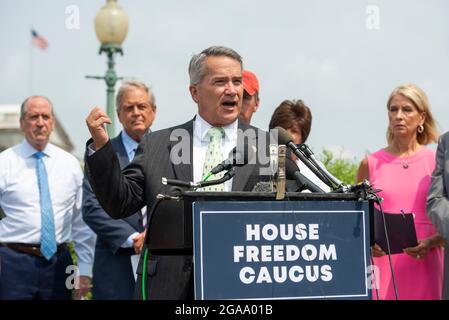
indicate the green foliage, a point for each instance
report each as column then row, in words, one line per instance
column 72, row 252
column 75, row 261
column 342, row 168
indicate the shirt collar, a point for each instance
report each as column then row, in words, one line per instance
column 201, row 127
column 129, row 143
column 28, row 150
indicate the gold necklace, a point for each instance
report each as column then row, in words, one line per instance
column 405, row 164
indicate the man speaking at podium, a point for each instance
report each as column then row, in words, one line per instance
column 216, row 87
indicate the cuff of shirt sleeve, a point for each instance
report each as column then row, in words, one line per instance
column 85, row 269
column 90, row 149
column 129, row 243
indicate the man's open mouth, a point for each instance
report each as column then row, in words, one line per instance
column 229, row 104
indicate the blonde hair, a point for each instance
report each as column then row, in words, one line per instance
column 421, row 102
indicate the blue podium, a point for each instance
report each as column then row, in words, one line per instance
column 250, row 246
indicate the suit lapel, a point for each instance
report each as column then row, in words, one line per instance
column 134, row 220
column 184, row 171
column 446, row 159
column 243, row 173
column 120, row 150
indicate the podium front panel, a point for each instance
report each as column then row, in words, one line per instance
column 281, row 250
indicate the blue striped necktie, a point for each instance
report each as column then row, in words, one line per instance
column 48, row 237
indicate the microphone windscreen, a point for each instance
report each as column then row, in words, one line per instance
column 263, row 186
column 283, row 136
column 290, row 169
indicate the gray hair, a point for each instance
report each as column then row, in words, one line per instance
column 197, row 68
column 25, row 102
column 134, row 84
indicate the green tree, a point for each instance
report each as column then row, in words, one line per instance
column 342, row 168
column 75, row 261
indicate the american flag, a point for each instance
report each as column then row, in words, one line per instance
column 38, row 40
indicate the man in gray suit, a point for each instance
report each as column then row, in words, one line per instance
column 216, row 87
column 438, row 202
column 119, row 240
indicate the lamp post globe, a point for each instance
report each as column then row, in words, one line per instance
column 111, row 27
column 111, row 24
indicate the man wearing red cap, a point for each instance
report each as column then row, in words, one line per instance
column 250, row 96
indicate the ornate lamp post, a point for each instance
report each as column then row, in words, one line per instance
column 111, row 27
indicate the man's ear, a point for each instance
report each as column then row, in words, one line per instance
column 194, row 92
column 257, row 104
column 54, row 124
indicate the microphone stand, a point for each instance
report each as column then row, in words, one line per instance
column 227, row 176
column 310, row 155
column 314, row 168
column 175, row 193
column 195, row 185
column 304, row 183
column 280, row 183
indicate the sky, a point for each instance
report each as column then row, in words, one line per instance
column 342, row 58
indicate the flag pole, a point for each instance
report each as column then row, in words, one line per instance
column 30, row 68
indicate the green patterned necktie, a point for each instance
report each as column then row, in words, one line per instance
column 214, row 156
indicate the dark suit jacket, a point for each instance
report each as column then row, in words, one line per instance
column 438, row 202
column 113, row 277
column 122, row 193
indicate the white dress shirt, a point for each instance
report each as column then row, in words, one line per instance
column 19, row 198
column 201, row 141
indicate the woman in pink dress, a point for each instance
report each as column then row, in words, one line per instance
column 403, row 170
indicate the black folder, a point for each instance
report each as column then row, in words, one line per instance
column 400, row 228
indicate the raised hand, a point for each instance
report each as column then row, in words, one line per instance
column 96, row 121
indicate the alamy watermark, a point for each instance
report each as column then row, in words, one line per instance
column 72, row 281
column 372, row 21
column 72, row 21
column 251, row 142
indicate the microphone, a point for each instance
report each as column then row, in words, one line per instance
column 292, row 173
column 285, row 138
column 263, row 186
column 363, row 185
column 310, row 155
column 274, row 155
column 188, row 184
column 227, row 176
column 280, row 183
column 236, row 158
column 179, row 183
